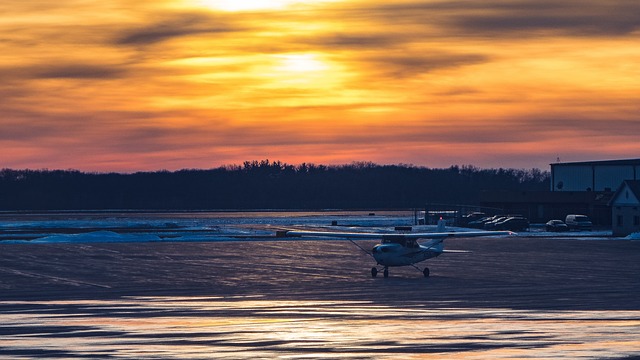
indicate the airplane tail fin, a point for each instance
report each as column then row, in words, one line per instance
column 438, row 244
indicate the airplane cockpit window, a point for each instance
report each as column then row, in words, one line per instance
column 393, row 240
column 409, row 243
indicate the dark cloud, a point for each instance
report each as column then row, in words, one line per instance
column 578, row 17
column 18, row 75
column 33, row 126
column 77, row 71
column 402, row 65
column 584, row 124
column 356, row 41
column 525, row 129
column 23, row 129
column 175, row 26
column 393, row 55
column 516, row 17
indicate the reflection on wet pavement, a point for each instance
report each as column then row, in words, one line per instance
column 253, row 327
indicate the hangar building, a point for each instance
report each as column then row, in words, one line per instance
column 593, row 175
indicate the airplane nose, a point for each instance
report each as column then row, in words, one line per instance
column 378, row 249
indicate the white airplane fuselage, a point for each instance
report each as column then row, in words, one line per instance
column 394, row 254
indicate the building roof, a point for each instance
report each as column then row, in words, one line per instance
column 635, row 162
column 633, row 185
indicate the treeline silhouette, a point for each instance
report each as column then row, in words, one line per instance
column 260, row 185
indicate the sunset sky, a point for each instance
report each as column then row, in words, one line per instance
column 172, row 84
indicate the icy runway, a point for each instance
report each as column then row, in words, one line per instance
column 200, row 297
column 195, row 327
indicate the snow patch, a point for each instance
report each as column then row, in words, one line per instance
column 633, row 236
column 95, row 237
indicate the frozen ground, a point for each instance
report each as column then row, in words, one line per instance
column 165, row 286
column 213, row 226
column 182, row 227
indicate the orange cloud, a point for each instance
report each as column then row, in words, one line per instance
column 177, row 84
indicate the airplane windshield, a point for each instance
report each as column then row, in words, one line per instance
column 411, row 243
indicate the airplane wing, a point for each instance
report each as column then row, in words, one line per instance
column 460, row 234
column 378, row 236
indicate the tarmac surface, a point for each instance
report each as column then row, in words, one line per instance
column 509, row 298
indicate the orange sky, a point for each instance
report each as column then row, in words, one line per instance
column 171, row 84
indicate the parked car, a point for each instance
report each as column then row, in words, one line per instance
column 513, row 223
column 578, row 222
column 479, row 224
column 556, row 226
column 491, row 224
column 474, row 216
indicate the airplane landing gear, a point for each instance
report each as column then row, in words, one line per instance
column 374, row 272
column 385, row 272
column 424, row 271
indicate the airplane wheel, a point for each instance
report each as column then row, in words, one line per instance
column 374, row 272
column 386, row 273
column 425, row 272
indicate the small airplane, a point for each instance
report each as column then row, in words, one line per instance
column 399, row 249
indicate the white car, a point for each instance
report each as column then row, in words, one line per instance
column 578, row 222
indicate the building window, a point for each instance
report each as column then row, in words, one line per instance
column 620, row 220
column 636, row 220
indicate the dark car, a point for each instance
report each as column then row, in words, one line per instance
column 512, row 223
column 556, row 226
column 491, row 224
column 475, row 216
column 479, row 224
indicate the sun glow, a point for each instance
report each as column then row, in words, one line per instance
column 246, row 5
column 300, row 63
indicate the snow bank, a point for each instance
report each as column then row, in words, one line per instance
column 633, row 236
column 92, row 237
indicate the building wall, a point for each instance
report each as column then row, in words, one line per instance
column 625, row 212
column 608, row 178
column 593, row 176
column 572, row 178
column 626, row 219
